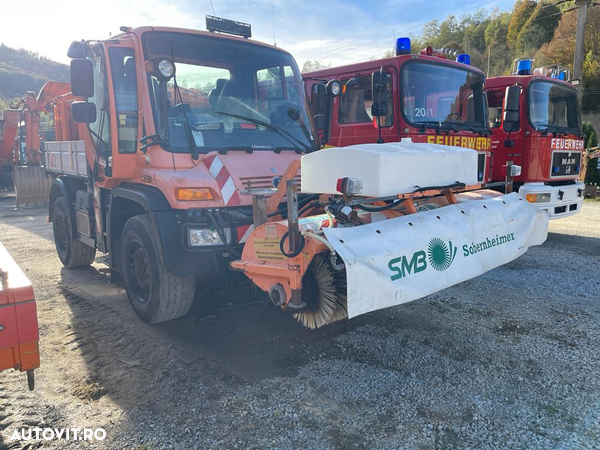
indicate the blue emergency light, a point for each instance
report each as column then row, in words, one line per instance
column 464, row 58
column 403, row 46
column 524, row 67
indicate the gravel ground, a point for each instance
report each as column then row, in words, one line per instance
column 508, row 360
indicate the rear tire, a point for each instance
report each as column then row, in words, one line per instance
column 71, row 252
column 156, row 294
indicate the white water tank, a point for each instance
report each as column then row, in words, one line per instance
column 388, row 169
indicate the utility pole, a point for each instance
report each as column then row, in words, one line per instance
column 579, row 39
column 273, row 11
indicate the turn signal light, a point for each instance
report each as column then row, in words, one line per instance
column 537, row 198
column 191, row 194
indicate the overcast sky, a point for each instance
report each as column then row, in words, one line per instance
column 335, row 31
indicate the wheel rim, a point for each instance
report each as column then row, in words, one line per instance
column 139, row 272
column 61, row 234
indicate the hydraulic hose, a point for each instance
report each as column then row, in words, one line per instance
column 302, row 203
column 332, row 253
column 378, row 208
column 298, row 250
column 223, row 236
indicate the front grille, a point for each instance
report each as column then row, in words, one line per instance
column 480, row 166
column 565, row 164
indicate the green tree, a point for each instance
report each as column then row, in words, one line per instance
column 312, row 65
column 430, row 33
column 520, row 15
column 539, row 28
column 592, row 174
column 561, row 49
column 496, row 43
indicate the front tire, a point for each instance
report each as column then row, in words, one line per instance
column 156, row 294
column 71, row 252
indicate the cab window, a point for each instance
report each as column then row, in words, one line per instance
column 101, row 127
column 495, row 102
column 356, row 100
column 123, row 72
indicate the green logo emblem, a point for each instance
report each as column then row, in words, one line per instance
column 440, row 254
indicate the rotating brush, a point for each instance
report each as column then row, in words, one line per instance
column 324, row 291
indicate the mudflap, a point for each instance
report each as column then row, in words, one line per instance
column 32, row 184
column 406, row 258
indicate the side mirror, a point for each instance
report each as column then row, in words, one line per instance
column 83, row 112
column 82, row 78
column 379, row 92
column 512, row 108
column 320, row 122
column 77, row 49
column 379, row 86
column 379, row 109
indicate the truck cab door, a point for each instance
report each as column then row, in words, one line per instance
column 123, row 80
column 353, row 122
column 506, row 146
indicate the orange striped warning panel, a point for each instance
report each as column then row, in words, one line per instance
column 19, row 334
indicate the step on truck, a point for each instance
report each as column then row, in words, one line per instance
column 175, row 128
column 427, row 97
column 535, row 119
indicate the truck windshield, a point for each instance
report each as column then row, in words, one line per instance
column 553, row 107
column 437, row 94
column 227, row 95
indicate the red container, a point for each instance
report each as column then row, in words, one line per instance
column 19, row 333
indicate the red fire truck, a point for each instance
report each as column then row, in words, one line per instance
column 426, row 97
column 535, row 119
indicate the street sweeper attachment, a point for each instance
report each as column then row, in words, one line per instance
column 383, row 238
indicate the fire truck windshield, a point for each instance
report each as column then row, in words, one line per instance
column 553, row 107
column 227, row 95
column 434, row 94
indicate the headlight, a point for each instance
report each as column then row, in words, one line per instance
column 334, row 88
column 198, row 237
column 166, row 68
column 537, row 198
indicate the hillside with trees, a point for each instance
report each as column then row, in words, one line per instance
column 542, row 30
column 22, row 71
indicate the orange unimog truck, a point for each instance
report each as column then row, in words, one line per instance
column 179, row 130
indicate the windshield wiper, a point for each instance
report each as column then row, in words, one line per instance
column 559, row 128
column 437, row 125
column 473, row 126
column 290, row 137
column 249, row 149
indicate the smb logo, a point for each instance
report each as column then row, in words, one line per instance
column 439, row 254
